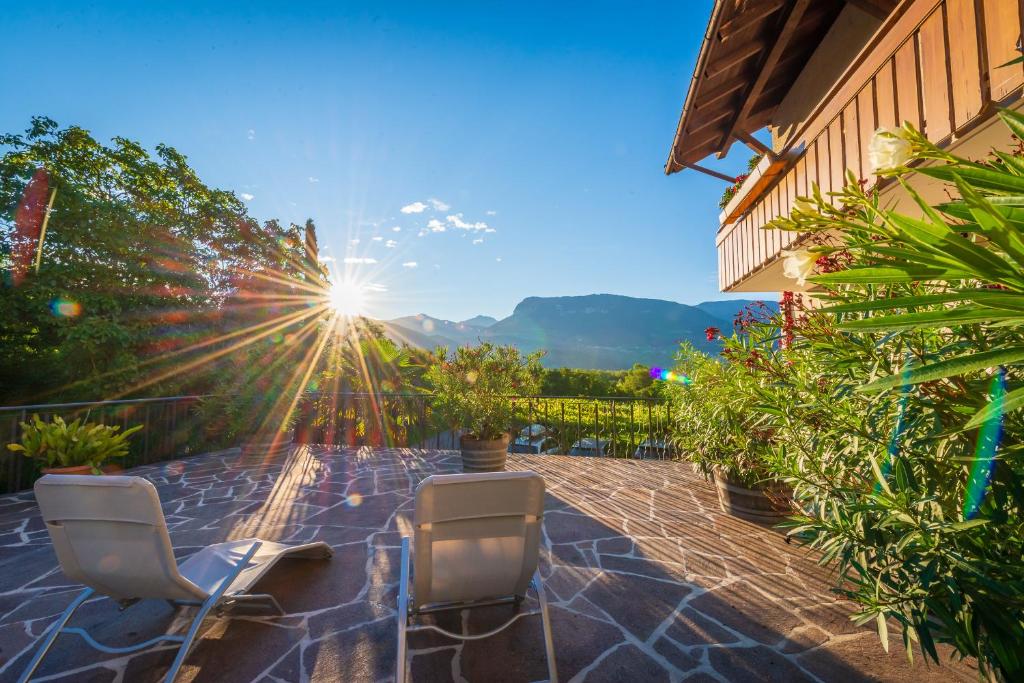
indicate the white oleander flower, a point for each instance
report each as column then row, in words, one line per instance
column 798, row 265
column 888, row 149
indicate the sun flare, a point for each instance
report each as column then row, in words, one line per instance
column 346, row 298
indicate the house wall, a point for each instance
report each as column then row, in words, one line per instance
column 934, row 63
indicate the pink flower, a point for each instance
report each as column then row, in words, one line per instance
column 712, row 333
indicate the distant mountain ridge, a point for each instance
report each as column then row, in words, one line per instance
column 600, row 331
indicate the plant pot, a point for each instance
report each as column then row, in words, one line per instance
column 74, row 469
column 484, row 455
column 761, row 504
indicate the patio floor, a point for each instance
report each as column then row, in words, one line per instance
column 649, row 582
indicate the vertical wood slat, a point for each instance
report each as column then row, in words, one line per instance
column 851, row 141
column 1002, row 24
column 908, row 85
column 837, row 165
column 933, row 78
column 806, row 172
column 885, row 97
column 866, row 126
column 824, row 165
column 964, row 62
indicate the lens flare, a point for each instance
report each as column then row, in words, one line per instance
column 897, row 432
column 664, row 375
column 354, row 500
column 986, row 450
column 65, row 308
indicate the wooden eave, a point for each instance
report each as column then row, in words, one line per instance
column 752, row 53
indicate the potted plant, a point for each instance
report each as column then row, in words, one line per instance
column 75, row 448
column 718, row 427
column 472, row 393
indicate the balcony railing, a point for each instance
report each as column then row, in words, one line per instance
column 606, row 426
column 169, row 431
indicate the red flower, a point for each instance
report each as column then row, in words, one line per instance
column 712, row 333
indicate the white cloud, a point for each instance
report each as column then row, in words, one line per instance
column 391, row 244
column 378, row 238
column 456, row 220
column 409, row 264
column 492, row 212
column 247, row 197
column 438, row 204
column 313, row 179
column 423, row 232
column 396, row 229
column 326, row 259
column 478, row 240
column 250, row 134
column 436, row 225
column 375, row 287
column 354, row 240
column 490, row 230
column 360, row 259
column 415, row 207
column 498, row 259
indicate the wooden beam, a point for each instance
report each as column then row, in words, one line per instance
column 731, row 59
column 752, row 142
column 709, row 98
column 789, row 26
column 710, row 172
column 749, row 17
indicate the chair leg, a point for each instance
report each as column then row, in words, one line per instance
column 52, row 634
column 208, row 604
column 403, row 613
column 549, row 643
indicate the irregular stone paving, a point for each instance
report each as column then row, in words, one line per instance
column 648, row 580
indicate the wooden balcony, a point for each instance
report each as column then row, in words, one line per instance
column 935, row 63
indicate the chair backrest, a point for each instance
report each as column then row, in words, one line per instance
column 476, row 536
column 109, row 533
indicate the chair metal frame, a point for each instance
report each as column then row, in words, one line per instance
column 216, row 602
column 406, row 614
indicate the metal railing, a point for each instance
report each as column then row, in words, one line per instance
column 615, row 426
column 606, row 426
column 169, row 431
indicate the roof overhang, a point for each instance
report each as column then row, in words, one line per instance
column 753, row 51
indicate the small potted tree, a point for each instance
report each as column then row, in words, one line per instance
column 472, row 393
column 75, row 448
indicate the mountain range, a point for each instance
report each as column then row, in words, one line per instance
column 599, row 331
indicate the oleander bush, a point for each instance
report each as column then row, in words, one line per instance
column 896, row 407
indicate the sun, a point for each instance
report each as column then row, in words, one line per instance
column 346, row 298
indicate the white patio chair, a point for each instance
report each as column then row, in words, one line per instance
column 476, row 542
column 109, row 533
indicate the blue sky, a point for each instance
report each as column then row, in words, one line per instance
column 533, row 134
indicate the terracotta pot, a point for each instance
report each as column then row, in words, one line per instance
column 484, row 455
column 74, row 469
column 761, row 504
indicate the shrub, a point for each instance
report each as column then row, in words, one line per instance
column 59, row 444
column 473, row 388
column 903, row 446
column 717, row 423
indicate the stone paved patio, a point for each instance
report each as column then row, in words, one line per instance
column 649, row 582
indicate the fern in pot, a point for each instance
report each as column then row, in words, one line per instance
column 72, row 448
column 473, row 391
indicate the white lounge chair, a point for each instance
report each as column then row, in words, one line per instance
column 109, row 533
column 476, row 542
